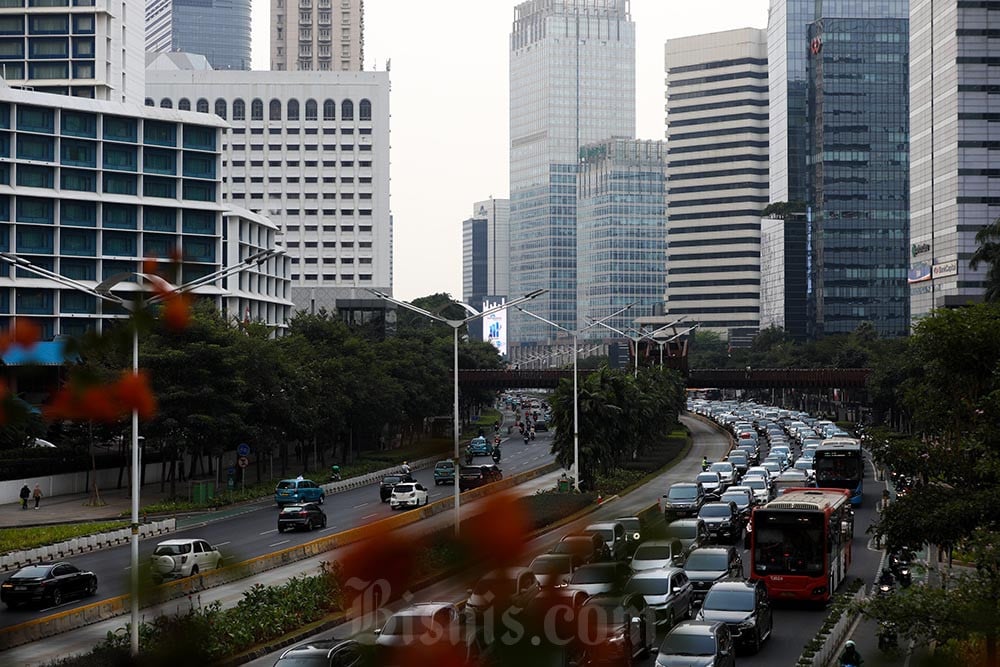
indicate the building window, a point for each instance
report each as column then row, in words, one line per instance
column 36, row 119
column 35, row 177
column 329, row 110
column 118, row 216
column 184, row 104
column 311, row 110
column 120, row 244
column 119, row 184
column 220, row 108
column 239, row 109
column 48, row 24
column 122, row 158
column 33, row 147
column 257, row 110
column 156, row 219
column 199, row 191
column 158, row 161
column 275, row 110
column 165, row 188
column 202, row 105
column 165, row 103
column 78, row 213
column 78, row 179
column 199, row 222
column 293, row 109
column 365, row 110
column 347, row 110
column 79, row 242
column 117, row 128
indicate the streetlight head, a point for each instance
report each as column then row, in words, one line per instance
column 537, row 292
column 380, row 295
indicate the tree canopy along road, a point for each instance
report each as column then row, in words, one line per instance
column 754, row 378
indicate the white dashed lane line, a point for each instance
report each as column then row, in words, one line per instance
column 279, row 543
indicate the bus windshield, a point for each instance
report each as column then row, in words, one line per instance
column 788, row 542
column 839, row 470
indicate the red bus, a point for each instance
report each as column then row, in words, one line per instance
column 801, row 543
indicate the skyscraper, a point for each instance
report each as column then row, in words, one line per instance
column 318, row 35
column 952, row 151
column 572, row 83
column 858, row 171
column 717, row 167
column 620, row 247
column 216, row 29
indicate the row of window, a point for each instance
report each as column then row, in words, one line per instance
column 362, row 277
column 84, row 243
column 275, row 108
column 81, row 213
column 82, row 180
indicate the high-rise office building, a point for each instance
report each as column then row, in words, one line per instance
column 953, row 179
column 784, row 274
column 485, row 254
column 217, row 29
column 858, row 171
column 717, row 178
column 572, row 83
column 621, row 237
column 310, row 150
column 83, row 48
column 317, row 35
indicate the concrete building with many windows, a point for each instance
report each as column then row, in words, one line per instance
column 572, row 83
column 216, row 29
column 89, row 189
column 261, row 293
column 82, row 48
column 717, row 178
column 485, row 254
column 621, row 235
column 317, row 35
column 954, row 182
column 310, row 151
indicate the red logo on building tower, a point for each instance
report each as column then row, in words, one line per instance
column 815, row 46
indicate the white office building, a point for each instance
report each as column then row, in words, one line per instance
column 83, row 48
column 262, row 292
column 717, row 172
column 310, row 151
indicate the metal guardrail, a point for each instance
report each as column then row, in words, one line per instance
column 372, row 477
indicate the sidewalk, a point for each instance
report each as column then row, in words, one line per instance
column 72, row 508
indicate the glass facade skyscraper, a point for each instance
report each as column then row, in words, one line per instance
column 572, row 83
column 858, row 173
column 621, row 234
column 216, row 29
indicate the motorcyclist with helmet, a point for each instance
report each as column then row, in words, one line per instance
column 850, row 656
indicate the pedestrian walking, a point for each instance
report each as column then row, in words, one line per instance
column 25, row 494
column 37, row 495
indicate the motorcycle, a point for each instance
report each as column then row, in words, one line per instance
column 468, row 457
column 335, row 473
column 704, row 466
column 886, row 584
column 900, row 560
column 527, row 437
column 496, row 455
column 888, row 639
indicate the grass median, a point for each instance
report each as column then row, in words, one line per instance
column 20, row 539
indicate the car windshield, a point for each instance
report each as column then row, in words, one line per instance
column 738, row 456
column 172, row 549
column 592, row 575
column 682, row 530
column 722, row 467
column 653, row 552
column 574, row 546
column 631, row 525
column 318, row 660
column 544, row 565
column 403, row 488
column 740, row 499
column 292, row 509
column 682, row 493
column 685, row 644
column 495, row 587
column 708, row 477
column 644, row 586
column 729, row 600
column 390, row 479
column 606, row 533
column 445, row 464
column 755, row 483
column 36, row 572
column 715, row 511
column 286, row 485
column 788, row 542
column 706, row 560
column 408, row 625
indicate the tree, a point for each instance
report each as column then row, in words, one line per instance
column 988, row 253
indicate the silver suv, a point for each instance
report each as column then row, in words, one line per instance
column 183, row 558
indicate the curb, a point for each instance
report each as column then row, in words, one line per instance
column 72, row 619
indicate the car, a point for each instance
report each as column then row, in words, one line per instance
column 552, row 570
column 617, row 629
column 408, row 494
column 702, row 643
column 692, row 533
column 325, row 653
column 173, row 559
column 774, row 466
column 723, row 520
column 541, row 425
column 758, row 471
column 682, row 499
column 744, row 607
column 479, row 447
column 472, row 477
column 596, row 578
column 752, row 452
column 743, row 497
column 706, row 565
column 291, row 491
column 791, row 479
column 388, row 482
column 421, row 625
column 727, row 471
column 804, row 465
column 613, row 535
column 760, row 487
column 633, row 531
column 47, row 584
column 303, row 515
column 710, row 481
column 656, row 554
column 740, row 460
column 784, row 451
column 501, row 591
column 583, row 548
column 444, row 472
column 667, row 591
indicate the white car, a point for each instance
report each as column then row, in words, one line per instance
column 183, row 558
column 726, row 471
column 761, row 488
column 408, row 495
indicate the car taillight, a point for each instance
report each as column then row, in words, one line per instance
column 303, row 513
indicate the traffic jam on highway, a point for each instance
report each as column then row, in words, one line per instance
column 771, row 523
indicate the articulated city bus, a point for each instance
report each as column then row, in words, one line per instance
column 801, row 543
column 840, row 464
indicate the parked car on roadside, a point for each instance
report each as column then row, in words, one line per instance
column 47, row 584
column 303, row 515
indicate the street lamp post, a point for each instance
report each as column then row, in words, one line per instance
column 456, row 325
column 103, row 292
column 576, row 375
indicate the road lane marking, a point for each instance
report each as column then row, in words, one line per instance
column 273, row 530
column 279, row 543
column 361, row 505
column 368, row 516
column 221, row 544
column 328, row 528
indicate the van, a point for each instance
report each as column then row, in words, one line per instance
column 613, row 534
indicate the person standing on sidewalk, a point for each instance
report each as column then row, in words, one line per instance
column 37, row 495
column 25, row 494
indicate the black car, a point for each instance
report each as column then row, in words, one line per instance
column 623, row 626
column 326, row 653
column 682, row 499
column 703, row 643
column 390, row 481
column 47, row 584
column 707, row 565
column 723, row 520
column 744, row 607
column 633, row 532
column 541, row 425
column 585, row 549
column 303, row 515
column 471, row 477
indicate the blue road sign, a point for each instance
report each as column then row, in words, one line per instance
column 243, row 449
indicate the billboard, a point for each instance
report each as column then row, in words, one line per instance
column 495, row 324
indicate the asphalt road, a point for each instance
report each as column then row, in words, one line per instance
column 251, row 530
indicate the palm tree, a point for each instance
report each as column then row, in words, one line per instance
column 988, row 253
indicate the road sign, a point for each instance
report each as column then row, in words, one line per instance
column 243, row 462
column 230, row 470
column 243, row 449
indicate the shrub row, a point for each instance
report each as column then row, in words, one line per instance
column 838, row 607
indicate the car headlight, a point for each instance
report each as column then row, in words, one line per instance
column 748, row 624
column 617, row 639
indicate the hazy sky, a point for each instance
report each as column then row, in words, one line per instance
column 450, row 109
